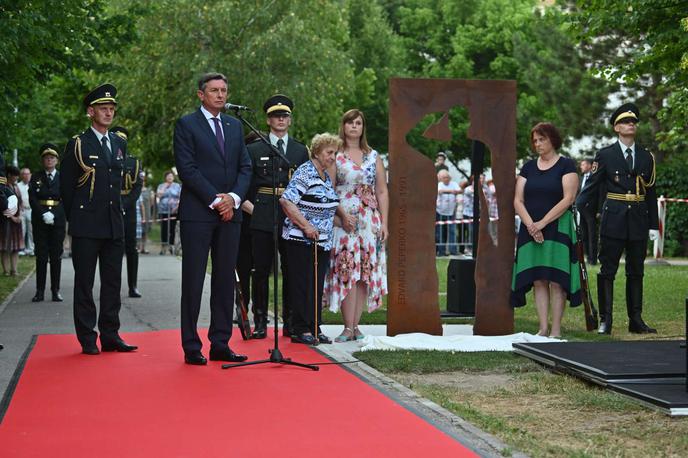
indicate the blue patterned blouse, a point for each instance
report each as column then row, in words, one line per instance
column 317, row 201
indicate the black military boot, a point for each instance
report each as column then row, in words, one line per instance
column 55, row 281
column 41, row 272
column 605, row 299
column 260, row 309
column 634, row 306
column 132, row 275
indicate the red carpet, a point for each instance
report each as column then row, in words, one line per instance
column 150, row 404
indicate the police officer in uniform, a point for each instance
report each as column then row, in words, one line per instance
column 90, row 184
column 131, row 190
column 278, row 109
column 48, row 222
column 622, row 190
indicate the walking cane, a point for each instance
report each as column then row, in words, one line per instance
column 315, row 290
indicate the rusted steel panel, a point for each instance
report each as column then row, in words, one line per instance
column 412, row 276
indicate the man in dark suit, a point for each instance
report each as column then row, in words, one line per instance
column 48, row 222
column 278, row 109
column 625, row 172
column 215, row 170
column 131, row 190
column 588, row 220
column 90, row 183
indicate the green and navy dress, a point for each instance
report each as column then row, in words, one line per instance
column 555, row 260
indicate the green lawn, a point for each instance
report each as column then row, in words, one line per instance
column 25, row 267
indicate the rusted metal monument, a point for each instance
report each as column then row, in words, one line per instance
column 412, row 275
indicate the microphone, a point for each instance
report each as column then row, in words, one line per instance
column 231, row 106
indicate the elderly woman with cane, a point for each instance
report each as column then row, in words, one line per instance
column 310, row 203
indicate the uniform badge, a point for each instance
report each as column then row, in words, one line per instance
column 616, row 178
column 594, row 167
column 120, row 155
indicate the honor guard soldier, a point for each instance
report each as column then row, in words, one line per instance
column 90, row 184
column 278, row 109
column 622, row 190
column 131, row 190
column 48, row 221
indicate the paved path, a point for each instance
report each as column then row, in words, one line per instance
column 159, row 282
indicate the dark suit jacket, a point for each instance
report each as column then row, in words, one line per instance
column 261, row 160
column 204, row 171
column 621, row 219
column 40, row 189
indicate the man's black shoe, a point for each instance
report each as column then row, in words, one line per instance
column 323, row 339
column 118, row 345
column 133, row 292
column 195, row 358
column 90, row 349
column 38, row 297
column 303, row 339
column 57, row 297
column 640, row 327
column 225, row 354
column 259, row 333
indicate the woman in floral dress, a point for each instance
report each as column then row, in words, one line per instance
column 358, row 264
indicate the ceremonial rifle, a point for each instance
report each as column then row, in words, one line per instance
column 591, row 320
column 242, row 316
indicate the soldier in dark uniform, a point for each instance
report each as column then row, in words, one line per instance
column 131, row 190
column 622, row 190
column 48, row 222
column 90, row 184
column 278, row 109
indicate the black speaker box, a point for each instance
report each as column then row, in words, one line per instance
column 461, row 287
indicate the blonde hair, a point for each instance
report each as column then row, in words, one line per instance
column 350, row 116
column 320, row 141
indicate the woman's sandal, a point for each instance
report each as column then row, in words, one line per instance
column 344, row 337
column 358, row 335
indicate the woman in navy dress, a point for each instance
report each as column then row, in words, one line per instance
column 546, row 258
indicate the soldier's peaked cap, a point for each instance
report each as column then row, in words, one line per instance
column 278, row 104
column 105, row 93
column 121, row 132
column 48, row 149
column 625, row 111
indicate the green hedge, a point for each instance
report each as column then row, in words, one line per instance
column 672, row 181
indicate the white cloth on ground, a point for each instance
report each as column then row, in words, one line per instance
column 420, row 341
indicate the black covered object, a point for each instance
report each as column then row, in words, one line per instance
column 461, row 287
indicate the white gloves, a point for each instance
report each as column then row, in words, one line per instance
column 654, row 234
column 49, row 218
column 11, row 206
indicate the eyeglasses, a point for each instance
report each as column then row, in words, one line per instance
column 628, row 121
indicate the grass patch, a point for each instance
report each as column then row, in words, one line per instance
column 25, row 267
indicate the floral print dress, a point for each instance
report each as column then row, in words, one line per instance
column 359, row 255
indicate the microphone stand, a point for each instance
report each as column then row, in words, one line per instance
column 275, row 353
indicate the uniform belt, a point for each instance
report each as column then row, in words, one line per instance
column 266, row 190
column 626, row 197
column 49, row 202
column 125, row 192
